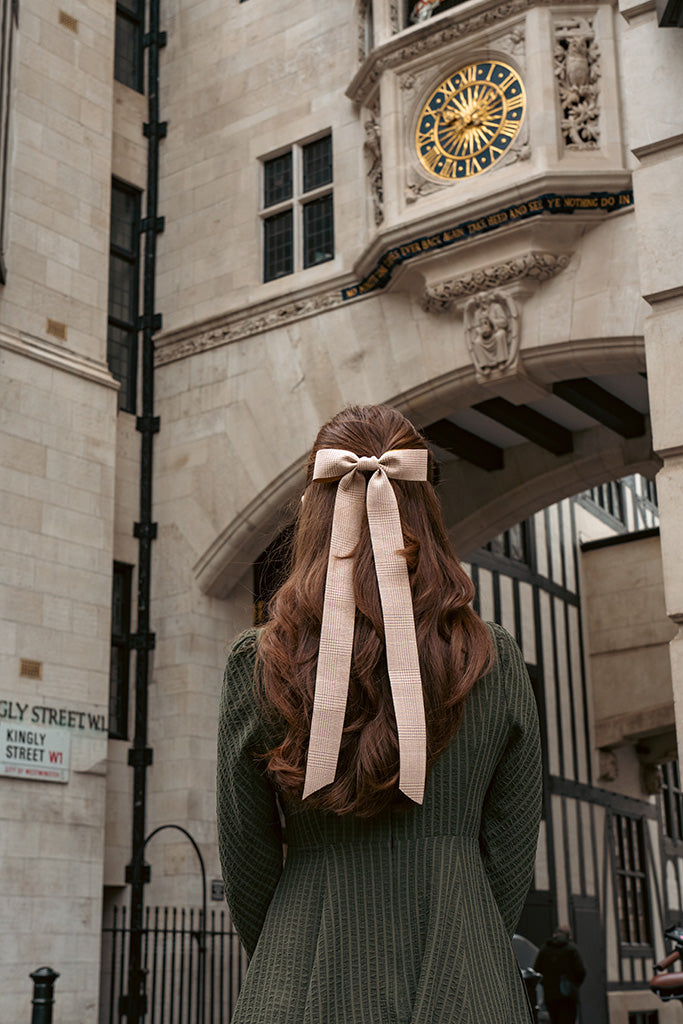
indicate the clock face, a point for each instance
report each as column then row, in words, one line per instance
column 470, row 120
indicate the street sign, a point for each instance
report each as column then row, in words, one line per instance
column 29, row 752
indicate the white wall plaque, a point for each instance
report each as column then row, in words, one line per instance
column 32, row 752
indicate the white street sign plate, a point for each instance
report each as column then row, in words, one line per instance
column 32, row 752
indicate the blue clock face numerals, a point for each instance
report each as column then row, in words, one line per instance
column 470, row 120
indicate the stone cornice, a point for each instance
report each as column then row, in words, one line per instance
column 420, row 40
column 56, row 356
column 631, row 9
column 652, row 150
column 248, row 321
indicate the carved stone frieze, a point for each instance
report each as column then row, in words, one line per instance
column 577, row 71
column 537, row 266
column 492, row 331
column 425, row 39
column 245, row 325
column 373, row 153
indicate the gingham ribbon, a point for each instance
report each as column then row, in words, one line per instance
column 339, row 609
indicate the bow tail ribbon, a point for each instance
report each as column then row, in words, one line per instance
column 399, row 631
column 336, row 638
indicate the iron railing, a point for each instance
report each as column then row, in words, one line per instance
column 185, row 984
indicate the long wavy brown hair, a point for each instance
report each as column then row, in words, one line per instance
column 454, row 645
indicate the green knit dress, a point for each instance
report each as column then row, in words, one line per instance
column 405, row 918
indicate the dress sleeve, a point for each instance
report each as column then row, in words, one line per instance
column 512, row 807
column 249, row 831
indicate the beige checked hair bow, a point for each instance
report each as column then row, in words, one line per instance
column 339, row 609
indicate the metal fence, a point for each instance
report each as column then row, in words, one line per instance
column 193, row 977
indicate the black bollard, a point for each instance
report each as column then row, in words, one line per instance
column 43, row 994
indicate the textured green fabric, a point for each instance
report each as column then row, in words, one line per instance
column 403, row 919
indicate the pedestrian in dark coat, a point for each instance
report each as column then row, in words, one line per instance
column 560, row 963
column 404, row 778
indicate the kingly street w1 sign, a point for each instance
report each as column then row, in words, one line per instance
column 41, row 754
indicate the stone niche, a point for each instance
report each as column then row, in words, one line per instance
column 628, row 639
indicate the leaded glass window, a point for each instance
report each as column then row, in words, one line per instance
column 120, row 651
column 631, row 883
column 124, row 273
column 298, row 212
column 128, row 45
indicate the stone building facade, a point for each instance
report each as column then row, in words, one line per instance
column 469, row 210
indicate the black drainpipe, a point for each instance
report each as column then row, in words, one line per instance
column 133, row 1005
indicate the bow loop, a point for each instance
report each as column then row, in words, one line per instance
column 336, row 634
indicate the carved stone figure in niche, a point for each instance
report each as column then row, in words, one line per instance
column 421, row 10
column 492, row 331
column 373, row 152
column 577, row 69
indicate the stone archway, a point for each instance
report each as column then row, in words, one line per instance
column 584, row 421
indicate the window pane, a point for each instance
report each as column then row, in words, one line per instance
column 128, row 52
column 631, row 880
column 124, row 215
column 516, row 540
column 278, row 246
column 120, row 606
column 118, row 692
column 122, row 290
column 497, row 545
column 317, row 160
column 318, row 231
column 121, row 356
column 277, row 179
column 120, row 651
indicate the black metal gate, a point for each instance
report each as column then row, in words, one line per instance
column 185, row 983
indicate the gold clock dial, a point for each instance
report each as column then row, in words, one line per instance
column 470, row 120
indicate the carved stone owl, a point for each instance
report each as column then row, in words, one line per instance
column 576, row 66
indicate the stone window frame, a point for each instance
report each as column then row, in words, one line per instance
column 130, row 256
column 9, row 21
column 291, row 210
column 130, row 28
